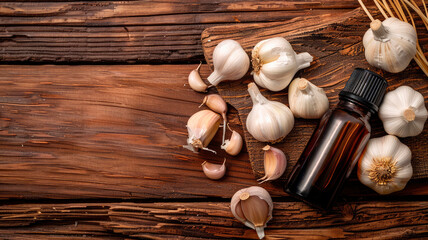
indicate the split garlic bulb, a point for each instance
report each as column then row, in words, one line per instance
column 230, row 62
column 390, row 45
column 268, row 121
column 307, row 100
column 385, row 166
column 275, row 63
column 253, row 207
column 201, row 127
column 403, row 112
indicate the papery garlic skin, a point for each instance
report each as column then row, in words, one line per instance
column 268, row 121
column 403, row 112
column 201, row 127
column 234, row 145
column 195, row 80
column 385, row 166
column 230, row 62
column 214, row 171
column 307, row 100
column 246, row 206
column 275, row 63
column 275, row 163
column 390, row 45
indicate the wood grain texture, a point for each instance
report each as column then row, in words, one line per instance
column 132, row 31
column 335, row 43
column 211, row 220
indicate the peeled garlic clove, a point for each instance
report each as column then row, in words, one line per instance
column 234, row 145
column 403, row 112
column 268, row 121
column 216, row 103
column 195, row 80
column 214, row 171
column 230, row 62
column 307, row 100
column 252, row 206
column 201, row 127
column 275, row 163
column 275, row 63
column 385, row 166
column 390, row 45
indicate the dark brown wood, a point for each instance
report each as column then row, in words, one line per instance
column 209, row 220
column 335, row 43
column 132, row 31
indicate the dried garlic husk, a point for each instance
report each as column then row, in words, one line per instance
column 234, row 145
column 253, row 207
column 307, row 100
column 201, row 126
column 230, row 62
column 390, row 45
column 216, row 103
column 385, row 165
column 268, row 121
column 403, row 112
column 214, row 171
column 275, row 63
column 275, row 163
column 195, row 80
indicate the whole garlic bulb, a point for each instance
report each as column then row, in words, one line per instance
column 230, row 62
column 253, row 207
column 385, row 166
column 275, row 63
column 307, row 100
column 390, row 45
column 403, row 112
column 268, row 121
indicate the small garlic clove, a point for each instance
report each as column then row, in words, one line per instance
column 275, row 163
column 201, row 127
column 307, row 100
column 252, row 206
column 195, row 80
column 214, row 171
column 216, row 103
column 234, row 145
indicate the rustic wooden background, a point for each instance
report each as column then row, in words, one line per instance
column 91, row 131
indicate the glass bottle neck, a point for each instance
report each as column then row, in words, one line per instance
column 356, row 107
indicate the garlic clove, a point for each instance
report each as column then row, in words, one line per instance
column 390, row 45
column 252, row 206
column 230, row 62
column 268, row 121
column 214, row 171
column 275, row 163
column 195, row 80
column 216, row 103
column 307, row 100
column 201, row 127
column 234, row 145
column 385, row 165
column 403, row 112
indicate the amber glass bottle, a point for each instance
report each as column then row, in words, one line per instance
column 338, row 141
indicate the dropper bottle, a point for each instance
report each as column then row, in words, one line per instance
column 338, row 141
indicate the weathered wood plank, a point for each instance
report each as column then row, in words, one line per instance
column 335, row 43
column 132, row 31
column 209, row 220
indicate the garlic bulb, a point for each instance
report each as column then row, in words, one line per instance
column 214, row 171
column 216, row 103
column 385, row 166
column 275, row 163
column 307, row 100
column 230, row 62
column 275, row 63
column 195, row 80
column 390, row 45
column 201, row 126
column 403, row 112
column 234, row 145
column 268, row 121
column 253, row 207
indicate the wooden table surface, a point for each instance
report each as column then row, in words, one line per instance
column 94, row 104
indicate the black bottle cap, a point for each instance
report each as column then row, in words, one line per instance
column 366, row 88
